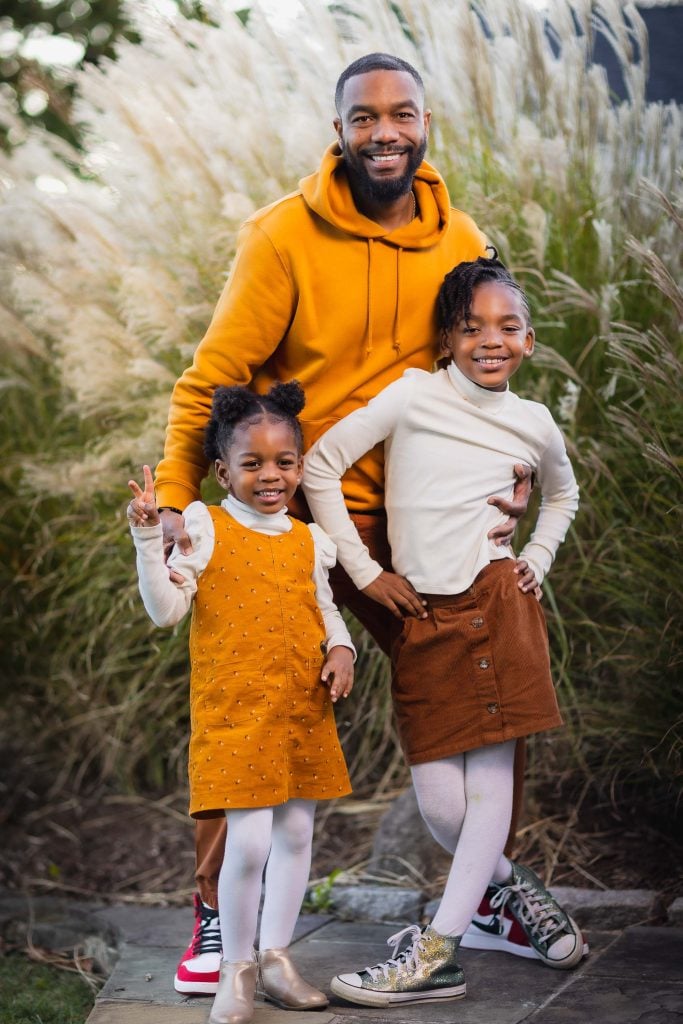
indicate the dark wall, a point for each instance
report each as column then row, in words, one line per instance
column 665, row 31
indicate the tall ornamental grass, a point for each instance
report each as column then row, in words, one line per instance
column 113, row 259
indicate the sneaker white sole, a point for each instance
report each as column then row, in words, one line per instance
column 366, row 997
column 497, row 943
column 500, row 944
column 196, row 988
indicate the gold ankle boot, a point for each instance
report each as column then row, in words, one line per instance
column 234, row 1002
column 281, row 983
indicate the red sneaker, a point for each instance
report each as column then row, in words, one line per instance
column 497, row 928
column 199, row 968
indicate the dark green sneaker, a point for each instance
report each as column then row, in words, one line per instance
column 555, row 937
column 427, row 969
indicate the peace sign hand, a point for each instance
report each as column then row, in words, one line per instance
column 142, row 510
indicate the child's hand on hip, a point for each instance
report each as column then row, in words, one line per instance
column 396, row 594
column 527, row 580
column 337, row 672
column 142, row 510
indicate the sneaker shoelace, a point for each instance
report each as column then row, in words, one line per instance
column 410, row 957
column 208, row 935
column 536, row 911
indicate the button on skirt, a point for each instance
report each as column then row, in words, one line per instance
column 475, row 672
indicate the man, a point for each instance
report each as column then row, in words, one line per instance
column 333, row 285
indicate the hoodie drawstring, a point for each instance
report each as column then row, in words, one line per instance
column 396, row 338
column 368, row 343
column 397, row 313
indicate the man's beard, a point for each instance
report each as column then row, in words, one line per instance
column 380, row 190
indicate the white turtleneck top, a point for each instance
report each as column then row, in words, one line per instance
column 449, row 445
column 167, row 602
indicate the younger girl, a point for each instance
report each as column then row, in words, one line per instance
column 270, row 653
column 471, row 670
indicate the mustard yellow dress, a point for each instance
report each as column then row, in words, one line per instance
column 262, row 722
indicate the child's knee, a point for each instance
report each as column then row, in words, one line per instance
column 444, row 828
column 247, row 855
column 295, row 836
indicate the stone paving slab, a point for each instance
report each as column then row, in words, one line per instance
column 143, row 973
column 195, row 1011
column 519, row 986
column 171, row 927
column 645, row 955
column 626, row 1003
column 633, row 975
column 148, row 957
column 167, row 927
column 146, row 1013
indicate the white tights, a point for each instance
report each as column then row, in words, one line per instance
column 275, row 838
column 466, row 802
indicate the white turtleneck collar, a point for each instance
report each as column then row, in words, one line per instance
column 274, row 523
column 471, row 392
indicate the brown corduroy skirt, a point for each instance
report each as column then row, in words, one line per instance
column 475, row 672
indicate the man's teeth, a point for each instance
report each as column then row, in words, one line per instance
column 385, row 158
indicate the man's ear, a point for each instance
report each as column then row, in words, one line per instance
column 339, row 130
column 222, row 474
column 427, row 121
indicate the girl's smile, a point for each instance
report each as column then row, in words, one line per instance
column 263, row 467
column 490, row 345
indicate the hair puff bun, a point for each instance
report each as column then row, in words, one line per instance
column 289, row 397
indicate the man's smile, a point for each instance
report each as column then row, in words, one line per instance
column 386, row 157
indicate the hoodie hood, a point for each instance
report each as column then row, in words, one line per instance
column 327, row 193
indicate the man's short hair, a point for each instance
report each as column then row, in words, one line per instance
column 374, row 62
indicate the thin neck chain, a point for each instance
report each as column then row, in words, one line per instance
column 414, row 201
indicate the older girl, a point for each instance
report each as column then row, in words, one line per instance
column 471, row 671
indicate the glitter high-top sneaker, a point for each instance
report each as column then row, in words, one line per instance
column 426, row 970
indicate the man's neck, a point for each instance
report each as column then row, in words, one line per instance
column 393, row 214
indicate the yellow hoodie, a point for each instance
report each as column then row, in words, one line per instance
column 320, row 293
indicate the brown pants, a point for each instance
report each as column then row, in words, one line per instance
column 384, row 628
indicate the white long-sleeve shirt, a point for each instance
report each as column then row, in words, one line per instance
column 167, row 603
column 449, row 445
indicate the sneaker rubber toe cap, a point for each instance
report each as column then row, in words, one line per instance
column 353, row 980
column 568, row 951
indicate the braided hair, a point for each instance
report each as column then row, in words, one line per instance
column 454, row 301
column 232, row 406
